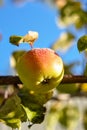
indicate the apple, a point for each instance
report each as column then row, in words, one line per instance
column 40, row 70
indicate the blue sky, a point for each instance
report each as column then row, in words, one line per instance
column 19, row 20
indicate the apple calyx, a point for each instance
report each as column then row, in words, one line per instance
column 30, row 38
column 45, row 81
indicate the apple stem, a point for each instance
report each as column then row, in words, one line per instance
column 30, row 38
column 31, row 46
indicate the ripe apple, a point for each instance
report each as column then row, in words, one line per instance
column 40, row 70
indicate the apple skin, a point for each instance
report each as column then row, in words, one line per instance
column 40, row 70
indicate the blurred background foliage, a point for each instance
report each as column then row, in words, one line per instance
column 67, row 110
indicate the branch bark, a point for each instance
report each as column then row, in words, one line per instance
column 67, row 79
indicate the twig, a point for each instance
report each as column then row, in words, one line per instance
column 8, row 80
column 67, row 79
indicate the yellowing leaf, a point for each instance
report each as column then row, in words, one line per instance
column 68, row 117
column 29, row 38
column 85, row 119
column 64, row 42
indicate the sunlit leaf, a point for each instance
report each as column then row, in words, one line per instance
column 65, row 21
column 33, row 106
column 69, row 116
column 82, row 43
column 85, row 119
column 34, row 116
column 64, row 42
column 30, row 38
column 69, row 13
column 82, row 20
column 83, row 87
column 21, row 108
column 72, row 13
column 11, row 112
column 65, row 115
column 53, row 115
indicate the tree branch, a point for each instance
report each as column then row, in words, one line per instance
column 7, row 80
column 67, row 79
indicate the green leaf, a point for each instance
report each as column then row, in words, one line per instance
column 34, row 116
column 67, row 88
column 12, row 113
column 26, row 106
column 21, row 109
column 85, row 119
column 53, row 115
column 33, row 106
column 29, row 38
column 29, row 98
column 16, row 40
column 82, row 43
column 64, row 42
column 69, row 116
